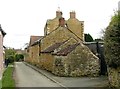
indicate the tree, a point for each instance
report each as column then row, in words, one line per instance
column 9, row 54
column 88, row 38
column 112, row 49
column 19, row 57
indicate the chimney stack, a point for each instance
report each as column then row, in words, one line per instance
column 59, row 14
column 62, row 22
column 72, row 14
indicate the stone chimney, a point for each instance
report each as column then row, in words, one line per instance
column 62, row 22
column 72, row 14
column 59, row 14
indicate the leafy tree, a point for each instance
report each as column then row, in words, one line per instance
column 112, row 42
column 88, row 38
column 9, row 54
column 19, row 57
column 112, row 49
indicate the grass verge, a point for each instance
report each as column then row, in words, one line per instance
column 0, row 84
column 7, row 79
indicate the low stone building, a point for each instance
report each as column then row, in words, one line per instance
column 76, row 60
column 66, row 59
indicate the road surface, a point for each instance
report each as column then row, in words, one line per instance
column 28, row 77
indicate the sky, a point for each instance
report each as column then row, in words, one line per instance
column 22, row 18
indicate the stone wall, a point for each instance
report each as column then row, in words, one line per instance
column 76, row 27
column 46, row 61
column 114, row 77
column 32, row 54
column 35, row 54
column 26, row 56
column 51, row 25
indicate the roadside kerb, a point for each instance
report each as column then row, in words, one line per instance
column 38, row 70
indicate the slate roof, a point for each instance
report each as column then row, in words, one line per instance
column 33, row 39
column 2, row 31
column 67, row 50
column 53, row 47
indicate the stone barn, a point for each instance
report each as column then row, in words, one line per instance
column 76, row 60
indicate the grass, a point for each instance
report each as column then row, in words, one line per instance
column 0, row 84
column 7, row 79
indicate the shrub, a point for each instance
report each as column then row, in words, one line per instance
column 112, row 42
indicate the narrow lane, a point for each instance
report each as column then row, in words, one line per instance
column 27, row 77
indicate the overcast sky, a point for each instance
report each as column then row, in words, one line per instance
column 22, row 18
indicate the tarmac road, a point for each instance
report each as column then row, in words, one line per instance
column 28, row 77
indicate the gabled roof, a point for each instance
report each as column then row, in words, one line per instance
column 3, row 33
column 53, row 47
column 33, row 39
column 67, row 50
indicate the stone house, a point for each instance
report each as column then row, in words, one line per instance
column 61, row 50
column 2, row 34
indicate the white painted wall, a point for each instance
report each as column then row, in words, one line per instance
column 1, row 54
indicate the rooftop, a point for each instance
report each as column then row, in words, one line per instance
column 53, row 47
column 67, row 50
column 33, row 39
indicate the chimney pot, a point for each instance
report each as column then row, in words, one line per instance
column 59, row 14
column 62, row 22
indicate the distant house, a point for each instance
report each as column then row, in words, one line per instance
column 2, row 34
column 19, row 51
column 33, row 49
